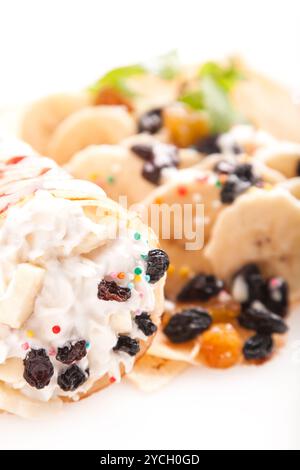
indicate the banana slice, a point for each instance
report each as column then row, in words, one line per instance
column 12, row 370
column 16, row 305
column 42, row 117
column 91, row 125
column 261, row 227
column 283, row 157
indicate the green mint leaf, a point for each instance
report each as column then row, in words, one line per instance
column 218, row 106
column 116, row 78
column 225, row 76
column 193, row 99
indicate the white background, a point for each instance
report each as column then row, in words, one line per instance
column 55, row 45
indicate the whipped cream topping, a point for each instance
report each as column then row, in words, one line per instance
column 54, row 234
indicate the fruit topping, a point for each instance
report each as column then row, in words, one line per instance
column 128, row 345
column 249, row 286
column 221, row 346
column 258, row 347
column 157, row 158
column 157, row 265
column 208, row 145
column 278, row 296
column 240, row 178
column 187, row 325
column 145, row 324
column 202, row 287
column 38, row 368
column 71, row 352
column 71, row 378
column 261, row 320
column 109, row 290
column 184, row 125
column 151, row 121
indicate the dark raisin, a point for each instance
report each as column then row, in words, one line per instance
column 244, row 171
column 202, row 287
column 256, row 285
column 71, row 378
column 259, row 319
column 128, row 345
column 278, row 296
column 151, row 173
column 144, row 151
column 38, row 368
column 109, row 290
column 71, row 352
column 233, row 188
column 187, row 325
column 157, row 265
column 298, row 169
column 208, row 145
column 258, row 347
column 157, row 158
column 151, row 121
column 145, row 324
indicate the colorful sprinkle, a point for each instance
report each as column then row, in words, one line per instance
column 56, row 329
column 137, row 278
column 87, row 344
column 25, row 346
column 182, row 190
column 52, row 351
column 268, row 186
column 218, row 184
column 30, row 333
column 184, row 271
column 121, row 275
column 171, row 269
column 93, row 177
column 137, row 236
column 112, row 380
column 130, row 286
column 113, row 275
column 144, row 257
column 138, row 271
column 110, row 180
column 158, row 201
column 275, row 282
column 147, row 278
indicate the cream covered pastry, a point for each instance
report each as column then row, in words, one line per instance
column 81, row 284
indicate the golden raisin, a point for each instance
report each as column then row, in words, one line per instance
column 221, row 346
column 185, row 126
column 111, row 97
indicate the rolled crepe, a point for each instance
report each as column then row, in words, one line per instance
column 79, row 290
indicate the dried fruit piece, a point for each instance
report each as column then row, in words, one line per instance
column 248, row 285
column 233, row 188
column 259, row 319
column 71, row 378
column 109, row 290
column 71, row 352
column 157, row 158
column 221, row 346
column 111, row 96
column 38, row 368
column 128, row 345
column 185, row 126
column 208, row 145
column 258, row 347
column 240, row 178
column 202, row 287
column 278, row 296
column 151, row 121
column 145, row 324
column 187, row 325
column 157, row 265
